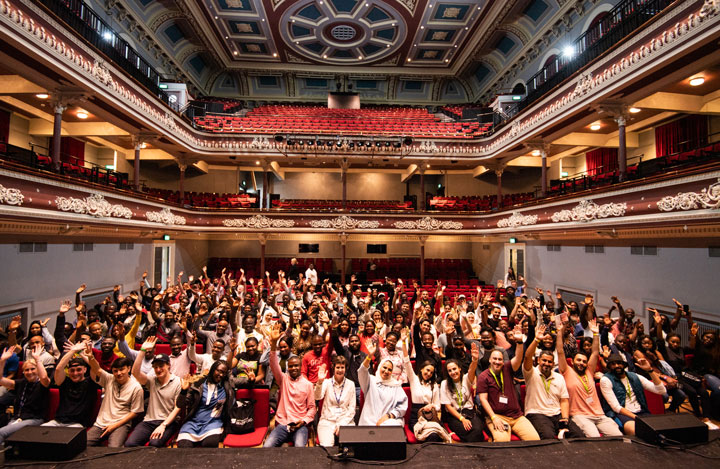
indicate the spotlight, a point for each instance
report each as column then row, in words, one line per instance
column 310, row 142
column 300, row 142
column 329, row 143
column 569, row 52
column 42, row 96
column 318, row 142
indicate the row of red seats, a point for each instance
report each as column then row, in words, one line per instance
column 476, row 203
column 305, row 204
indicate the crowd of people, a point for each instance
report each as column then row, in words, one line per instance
column 520, row 362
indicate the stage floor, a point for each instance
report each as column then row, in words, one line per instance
column 599, row 453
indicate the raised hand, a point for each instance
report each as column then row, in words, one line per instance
column 44, row 323
column 370, row 346
column 81, row 288
column 36, row 352
column 322, row 372
column 475, row 352
column 593, row 325
column 643, row 364
column 517, row 333
column 275, row 333
column 7, row 353
column 149, row 343
column 186, row 382
column 540, row 331
column 65, row 306
column 606, row 351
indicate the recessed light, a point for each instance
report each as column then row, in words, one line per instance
column 143, row 145
column 82, row 114
column 409, row 59
column 42, row 96
column 257, row 162
column 216, row 17
column 536, row 153
column 595, row 127
column 428, row 166
column 447, row 60
column 234, row 52
column 274, row 54
column 697, row 81
column 324, row 56
column 634, row 110
column 359, row 57
column 422, row 27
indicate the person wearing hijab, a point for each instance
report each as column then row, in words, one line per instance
column 385, row 400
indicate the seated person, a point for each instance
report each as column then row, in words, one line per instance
column 385, row 401
column 497, row 396
column 78, row 393
column 456, row 396
column 624, row 391
column 160, row 422
column 246, row 365
column 207, row 401
column 338, row 396
column 31, row 391
column 296, row 405
column 122, row 401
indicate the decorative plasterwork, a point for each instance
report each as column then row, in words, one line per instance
column 165, row 216
column 706, row 198
column 588, row 210
column 94, row 205
column 344, row 222
column 428, row 224
column 517, row 219
column 258, row 221
column 11, row 196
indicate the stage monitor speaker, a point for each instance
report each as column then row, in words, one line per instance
column 47, row 443
column 671, row 429
column 373, row 443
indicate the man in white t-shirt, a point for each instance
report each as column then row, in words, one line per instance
column 311, row 274
column 547, row 402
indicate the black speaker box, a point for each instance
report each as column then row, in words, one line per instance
column 373, row 443
column 47, row 443
column 671, row 429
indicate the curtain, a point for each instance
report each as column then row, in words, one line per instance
column 684, row 134
column 72, row 150
column 601, row 161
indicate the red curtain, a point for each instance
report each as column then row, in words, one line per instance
column 684, row 134
column 601, row 161
column 72, row 150
column 4, row 126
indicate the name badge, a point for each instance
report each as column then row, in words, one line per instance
column 503, row 400
column 589, row 400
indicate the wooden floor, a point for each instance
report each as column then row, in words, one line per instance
column 597, row 453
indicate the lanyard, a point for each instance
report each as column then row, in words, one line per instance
column 501, row 383
column 459, row 396
column 342, row 390
column 584, row 381
column 547, row 383
column 628, row 389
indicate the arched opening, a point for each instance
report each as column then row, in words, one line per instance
column 518, row 89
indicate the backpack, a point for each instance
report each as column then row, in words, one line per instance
column 242, row 417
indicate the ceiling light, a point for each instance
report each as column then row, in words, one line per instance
column 634, row 110
column 82, row 114
column 697, row 81
column 107, row 35
column 257, row 163
column 595, row 127
column 42, row 96
column 428, row 166
column 359, row 57
column 409, row 59
column 447, row 60
column 234, row 52
column 422, row 27
column 536, row 153
column 274, row 54
column 569, row 52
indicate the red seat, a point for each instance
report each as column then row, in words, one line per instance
column 261, row 417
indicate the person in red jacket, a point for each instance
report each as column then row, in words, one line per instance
column 318, row 356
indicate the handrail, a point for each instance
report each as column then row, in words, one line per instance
column 84, row 21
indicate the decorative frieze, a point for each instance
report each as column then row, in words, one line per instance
column 517, row 219
column 588, row 210
column 708, row 197
column 165, row 216
column 344, row 222
column 94, row 205
column 258, row 221
column 11, row 196
column 428, row 224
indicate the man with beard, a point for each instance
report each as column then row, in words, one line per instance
column 487, row 342
column 318, row 356
column 624, row 391
column 585, row 409
column 547, row 403
column 284, row 354
column 296, row 407
column 105, row 356
column 222, row 332
column 354, row 356
column 205, row 360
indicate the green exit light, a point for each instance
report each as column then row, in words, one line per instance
column 563, row 174
column 110, row 166
column 517, row 98
column 513, row 240
column 162, row 86
column 166, row 237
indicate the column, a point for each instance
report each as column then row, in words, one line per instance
column 343, row 178
column 422, row 240
column 343, row 245
column 622, row 148
column 181, row 185
column 136, row 165
column 262, row 237
column 421, row 202
column 266, row 192
column 498, row 173
column 57, row 134
column 543, row 185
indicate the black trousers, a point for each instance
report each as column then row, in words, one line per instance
column 549, row 427
column 476, row 432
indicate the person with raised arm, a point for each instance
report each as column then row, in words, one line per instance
column 31, row 392
column 456, row 396
column 338, row 397
column 78, row 393
column 425, row 393
column 385, row 400
column 497, row 396
column 624, row 391
column 296, row 405
column 585, row 409
column 547, row 403
column 160, row 422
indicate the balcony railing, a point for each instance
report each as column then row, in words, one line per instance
column 619, row 23
column 84, row 21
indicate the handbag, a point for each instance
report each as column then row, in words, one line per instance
column 242, row 417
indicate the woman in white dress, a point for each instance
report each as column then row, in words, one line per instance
column 385, row 400
column 338, row 396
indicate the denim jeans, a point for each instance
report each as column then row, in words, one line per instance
column 15, row 425
column 282, row 434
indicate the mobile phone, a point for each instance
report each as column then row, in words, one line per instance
column 686, row 308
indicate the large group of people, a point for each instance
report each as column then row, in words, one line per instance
column 520, row 362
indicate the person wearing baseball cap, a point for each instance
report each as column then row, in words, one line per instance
column 160, row 422
column 624, row 391
column 78, row 393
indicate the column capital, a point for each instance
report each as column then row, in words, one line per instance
column 262, row 237
column 542, row 148
column 614, row 109
column 343, row 238
column 344, row 165
column 422, row 240
column 499, row 172
column 182, row 167
column 141, row 138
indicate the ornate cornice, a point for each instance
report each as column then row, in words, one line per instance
column 517, row 219
column 165, row 216
column 10, row 196
column 588, row 210
column 344, row 222
column 428, row 224
column 706, row 198
column 258, row 221
column 94, row 205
